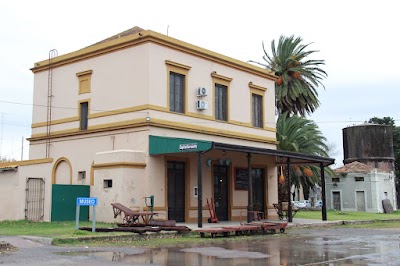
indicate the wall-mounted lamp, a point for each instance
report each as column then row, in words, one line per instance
column 148, row 117
column 281, row 177
column 226, row 162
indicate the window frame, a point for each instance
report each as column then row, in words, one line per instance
column 180, row 69
column 81, row 175
column 177, row 106
column 259, row 92
column 219, row 80
column 221, row 105
column 257, row 110
column 107, row 183
column 83, row 118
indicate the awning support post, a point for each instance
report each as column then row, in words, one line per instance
column 199, row 193
column 250, row 191
column 324, row 218
column 290, row 217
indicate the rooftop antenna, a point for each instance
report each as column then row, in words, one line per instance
column 167, row 29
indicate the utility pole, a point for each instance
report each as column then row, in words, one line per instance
column 22, row 149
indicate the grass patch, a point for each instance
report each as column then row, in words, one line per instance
column 375, row 225
column 49, row 229
column 347, row 216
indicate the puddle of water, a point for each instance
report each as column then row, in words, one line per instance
column 106, row 255
column 193, row 256
column 269, row 251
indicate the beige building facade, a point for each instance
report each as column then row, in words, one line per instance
column 99, row 112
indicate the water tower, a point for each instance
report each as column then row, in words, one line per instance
column 370, row 144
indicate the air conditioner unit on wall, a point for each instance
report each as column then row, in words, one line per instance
column 201, row 105
column 201, row 92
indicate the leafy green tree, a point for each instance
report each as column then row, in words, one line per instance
column 299, row 134
column 382, row 121
column 396, row 147
column 298, row 76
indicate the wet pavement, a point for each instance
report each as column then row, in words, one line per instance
column 311, row 246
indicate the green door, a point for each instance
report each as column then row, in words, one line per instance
column 63, row 203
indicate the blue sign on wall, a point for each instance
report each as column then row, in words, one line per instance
column 86, row 201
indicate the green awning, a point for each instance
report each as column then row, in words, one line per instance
column 165, row 145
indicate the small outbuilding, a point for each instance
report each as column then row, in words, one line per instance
column 360, row 187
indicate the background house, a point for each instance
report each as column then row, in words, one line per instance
column 367, row 177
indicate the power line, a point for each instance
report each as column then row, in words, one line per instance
column 103, row 110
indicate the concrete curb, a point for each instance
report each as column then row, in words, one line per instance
column 38, row 239
column 337, row 223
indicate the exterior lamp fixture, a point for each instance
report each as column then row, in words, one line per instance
column 281, row 177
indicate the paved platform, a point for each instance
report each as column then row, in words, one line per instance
column 296, row 223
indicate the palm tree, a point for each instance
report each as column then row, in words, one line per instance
column 298, row 76
column 296, row 94
column 299, row 134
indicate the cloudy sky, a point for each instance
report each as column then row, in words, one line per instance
column 359, row 40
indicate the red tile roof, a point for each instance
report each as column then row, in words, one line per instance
column 354, row 167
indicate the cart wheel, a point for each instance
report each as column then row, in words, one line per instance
column 282, row 230
column 280, row 217
column 273, row 231
column 209, row 220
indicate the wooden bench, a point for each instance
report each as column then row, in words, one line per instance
column 131, row 217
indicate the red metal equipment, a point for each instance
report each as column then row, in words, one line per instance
column 213, row 217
